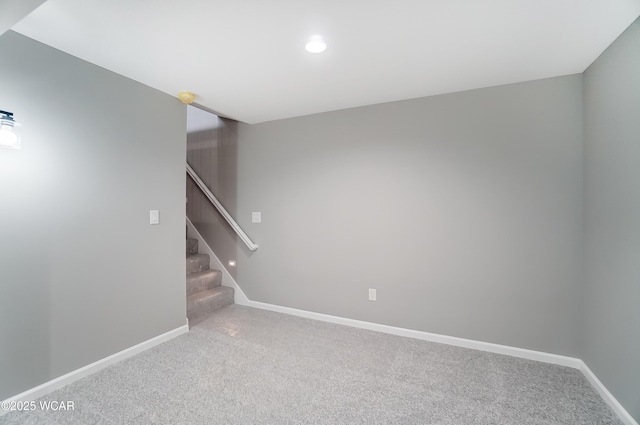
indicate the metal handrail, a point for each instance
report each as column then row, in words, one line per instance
column 214, row 201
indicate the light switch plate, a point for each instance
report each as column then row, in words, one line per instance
column 154, row 217
column 256, row 217
column 372, row 294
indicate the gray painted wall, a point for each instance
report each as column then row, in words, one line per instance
column 212, row 145
column 82, row 273
column 464, row 211
column 612, row 171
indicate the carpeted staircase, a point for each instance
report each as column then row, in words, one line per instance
column 205, row 293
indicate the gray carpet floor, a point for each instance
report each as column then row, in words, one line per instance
column 248, row 366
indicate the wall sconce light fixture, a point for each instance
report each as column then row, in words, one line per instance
column 9, row 134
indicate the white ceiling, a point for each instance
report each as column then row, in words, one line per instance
column 245, row 59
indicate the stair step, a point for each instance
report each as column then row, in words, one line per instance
column 200, row 305
column 192, row 246
column 200, row 281
column 197, row 263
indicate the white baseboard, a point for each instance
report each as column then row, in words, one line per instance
column 622, row 413
column 57, row 383
column 61, row 381
column 539, row 356
column 426, row 336
column 227, row 280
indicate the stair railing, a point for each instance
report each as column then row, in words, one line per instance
column 214, row 201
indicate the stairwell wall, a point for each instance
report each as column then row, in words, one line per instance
column 82, row 273
column 464, row 211
column 212, row 144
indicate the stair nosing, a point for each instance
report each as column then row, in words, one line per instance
column 217, row 290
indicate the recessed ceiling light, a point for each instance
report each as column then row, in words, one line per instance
column 316, row 44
